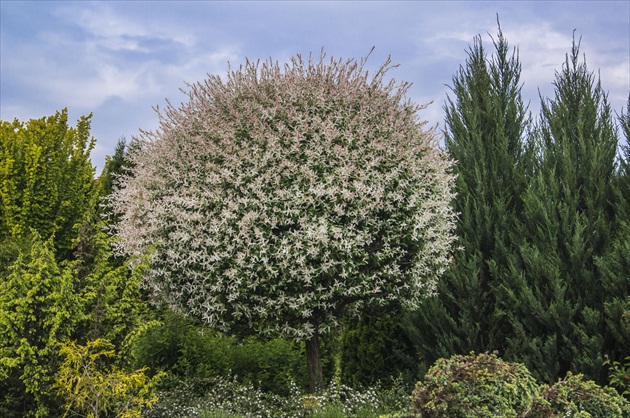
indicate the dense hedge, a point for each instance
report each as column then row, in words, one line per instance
column 186, row 350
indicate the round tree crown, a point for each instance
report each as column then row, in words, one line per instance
column 278, row 198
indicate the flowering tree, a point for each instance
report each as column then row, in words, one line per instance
column 279, row 198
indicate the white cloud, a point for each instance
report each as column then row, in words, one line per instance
column 616, row 81
column 197, row 66
column 113, row 56
column 121, row 32
column 541, row 50
column 118, row 59
column 543, row 56
column 91, row 90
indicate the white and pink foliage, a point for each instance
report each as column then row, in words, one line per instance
column 282, row 196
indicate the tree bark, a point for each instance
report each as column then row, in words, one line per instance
column 314, row 364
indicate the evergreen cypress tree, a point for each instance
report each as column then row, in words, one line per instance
column 486, row 122
column 114, row 166
column 557, row 311
column 614, row 266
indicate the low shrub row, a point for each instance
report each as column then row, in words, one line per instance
column 227, row 397
column 189, row 351
column 472, row 386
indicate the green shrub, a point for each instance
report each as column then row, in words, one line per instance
column 91, row 386
column 575, row 397
column 375, row 347
column 269, row 365
column 190, row 351
column 619, row 371
column 619, row 375
column 474, row 386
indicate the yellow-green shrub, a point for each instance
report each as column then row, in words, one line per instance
column 576, row 397
column 92, row 387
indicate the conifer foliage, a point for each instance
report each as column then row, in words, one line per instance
column 485, row 125
column 563, row 312
column 280, row 198
column 543, row 274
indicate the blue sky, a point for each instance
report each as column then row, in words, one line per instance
column 120, row 59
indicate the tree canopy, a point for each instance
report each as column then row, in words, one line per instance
column 279, row 198
column 46, row 178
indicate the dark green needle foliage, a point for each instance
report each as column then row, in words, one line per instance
column 486, row 122
column 566, row 311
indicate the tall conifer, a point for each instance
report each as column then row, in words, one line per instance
column 557, row 313
column 486, row 122
column 615, row 264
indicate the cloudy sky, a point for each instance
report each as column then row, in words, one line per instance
column 120, row 59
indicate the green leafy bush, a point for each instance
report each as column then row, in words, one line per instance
column 474, row 386
column 92, row 387
column 619, row 371
column 486, row 386
column 619, row 375
column 188, row 350
column 575, row 397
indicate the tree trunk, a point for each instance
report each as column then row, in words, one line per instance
column 314, row 364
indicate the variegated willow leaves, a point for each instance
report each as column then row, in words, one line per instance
column 279, row 197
